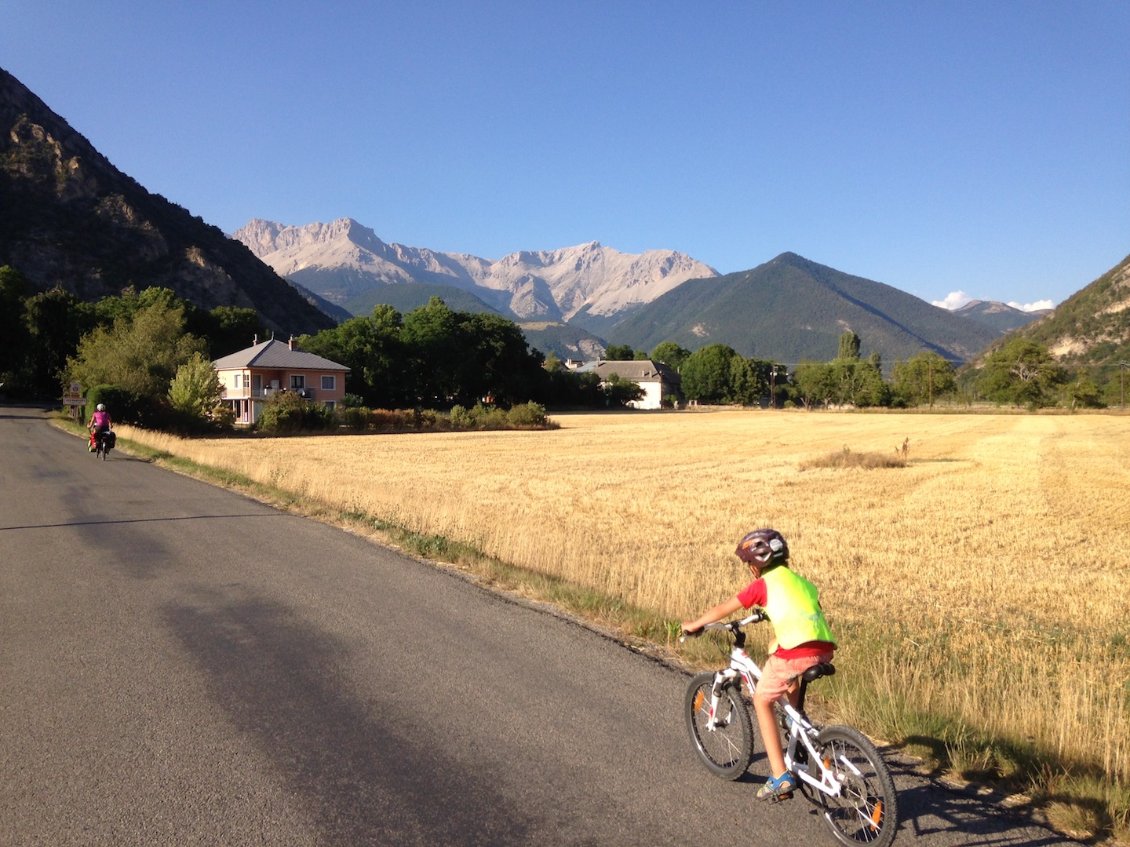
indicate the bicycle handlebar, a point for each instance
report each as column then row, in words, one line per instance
column 734, row 627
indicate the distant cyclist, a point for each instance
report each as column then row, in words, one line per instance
column 99, row 423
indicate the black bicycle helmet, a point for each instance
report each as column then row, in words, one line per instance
column 763, row 547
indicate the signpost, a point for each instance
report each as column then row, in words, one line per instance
column 73, row 400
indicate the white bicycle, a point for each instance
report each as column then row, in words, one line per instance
column 837, row 767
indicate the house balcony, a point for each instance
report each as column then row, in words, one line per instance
column 264, row 393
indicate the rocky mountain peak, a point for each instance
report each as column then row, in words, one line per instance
column 339, row 260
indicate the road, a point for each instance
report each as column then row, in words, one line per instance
column 183, row 665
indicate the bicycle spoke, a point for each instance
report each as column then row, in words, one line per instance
column 724, row 745
column 863, row 810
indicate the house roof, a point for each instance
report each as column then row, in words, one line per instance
column 275, row 354
column 638, row 370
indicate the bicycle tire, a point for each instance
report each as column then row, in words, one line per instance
column 866, row 809
column 726, row 750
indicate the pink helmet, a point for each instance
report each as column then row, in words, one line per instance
column 763, row 546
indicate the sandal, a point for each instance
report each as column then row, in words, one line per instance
column 777, row 787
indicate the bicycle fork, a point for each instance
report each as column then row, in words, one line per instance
column 722, row 680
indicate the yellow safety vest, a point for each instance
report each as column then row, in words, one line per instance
column 793, row 605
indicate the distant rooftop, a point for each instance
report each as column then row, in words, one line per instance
column 276, row 354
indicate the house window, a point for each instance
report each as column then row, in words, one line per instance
column 297, row 381
column 239, row 380
column 329, row 383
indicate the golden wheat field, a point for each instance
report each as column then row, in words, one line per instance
column 984, row 581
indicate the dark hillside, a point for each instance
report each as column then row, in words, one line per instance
column 69, row 218
column 791, row 310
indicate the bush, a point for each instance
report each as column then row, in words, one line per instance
column 847, row 459
column 462, row 418
column 122, row 405
column 390, row 419
column 287, row 412
column 353, row 417
column 527, row 416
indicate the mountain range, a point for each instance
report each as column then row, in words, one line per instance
column 349, row 265
column 999, row 316
column 69, row 218
column 574, row 300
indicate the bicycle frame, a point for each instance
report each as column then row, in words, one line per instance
column 836, row 767
column 801, row 731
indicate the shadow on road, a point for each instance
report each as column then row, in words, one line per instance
column 368, row 772
column 962, row 818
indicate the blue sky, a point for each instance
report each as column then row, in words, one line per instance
column 939, row 147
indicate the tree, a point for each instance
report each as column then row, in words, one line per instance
column 372, row 348
column 849, row 346
column 922, row 379
column 196, row 390
column 745, row 384
column 430, row 334
column 56, row 320
column 139, row 353
column 496, row 361
column 230, row 328
column 858, row 384
column 670, row 354
column 1083, row 391
column 619, row 353
column 619, row 391
column 1021, row 372
column 706, row 374
column 13, row 288
column 815, row 383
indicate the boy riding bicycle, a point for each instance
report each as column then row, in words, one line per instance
column 802, row 638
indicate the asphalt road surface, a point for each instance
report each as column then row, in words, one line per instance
column 180, row 665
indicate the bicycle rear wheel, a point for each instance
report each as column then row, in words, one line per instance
column 866, row 809
column 727, row 749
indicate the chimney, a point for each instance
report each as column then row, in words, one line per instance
column 290, row 343
column 254, row 339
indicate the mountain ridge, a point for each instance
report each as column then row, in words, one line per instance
column 998, row 315
column 70, row 218
column 342, row 259
column 792, row 309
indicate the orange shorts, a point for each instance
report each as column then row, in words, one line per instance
column 779, row 675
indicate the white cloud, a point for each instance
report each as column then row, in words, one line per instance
column 1033, row 307
column 953, row 300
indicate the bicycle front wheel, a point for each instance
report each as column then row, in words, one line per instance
column 725, row 746
column 865, row 811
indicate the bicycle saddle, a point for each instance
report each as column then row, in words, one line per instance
column 817, row 671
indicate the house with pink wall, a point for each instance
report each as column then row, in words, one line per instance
column 250, row 377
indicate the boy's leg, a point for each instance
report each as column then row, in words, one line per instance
column 770, row 734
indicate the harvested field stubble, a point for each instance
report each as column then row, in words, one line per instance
column 983, row 581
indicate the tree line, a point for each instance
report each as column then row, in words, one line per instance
column 1019, row 372
column 150, row 354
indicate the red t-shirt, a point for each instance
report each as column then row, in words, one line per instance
column 755, row 594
